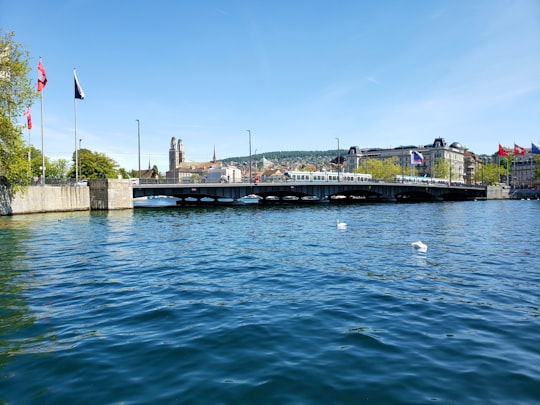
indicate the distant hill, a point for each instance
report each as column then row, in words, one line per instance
column 289, row 157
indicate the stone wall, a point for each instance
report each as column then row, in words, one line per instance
column 498, row 192
column 108, row 194
column 44, row 199
column 98, row 195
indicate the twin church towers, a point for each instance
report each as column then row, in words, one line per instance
column 177, row 155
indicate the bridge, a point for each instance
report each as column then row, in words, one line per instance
column 308, row 192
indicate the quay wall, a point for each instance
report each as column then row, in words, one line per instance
column 110, row 194
column 103, row 194
column 498, row 193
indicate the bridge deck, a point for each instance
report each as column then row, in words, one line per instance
column 315, row 192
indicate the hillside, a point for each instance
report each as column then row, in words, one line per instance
column 287, row 158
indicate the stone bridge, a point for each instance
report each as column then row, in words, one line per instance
column 309, row 192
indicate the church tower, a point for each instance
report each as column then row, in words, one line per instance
column 181, row 153
column 173, row 155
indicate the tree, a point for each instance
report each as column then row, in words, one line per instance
column 386, row 169
column 94, row 165
column 123, row 172
column 536, row 167
column 16, row 94
column 155, row 172
column 441, row 169
column 489, row 174
column 57, row 168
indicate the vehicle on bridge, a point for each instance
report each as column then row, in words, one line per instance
column 326, row 176
column 427, row 180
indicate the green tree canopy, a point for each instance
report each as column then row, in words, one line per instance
column 441, row 169
column 489, row 174
column 16, row 94
column 385, row 169
column 94, row 165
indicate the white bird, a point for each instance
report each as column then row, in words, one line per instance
column 418, row 245
column 341, row 225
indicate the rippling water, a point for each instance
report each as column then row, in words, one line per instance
column 272, row 305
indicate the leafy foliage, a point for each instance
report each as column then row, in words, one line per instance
column 94, row 165
column 16, row 93
column 386, row 169
column 490, row 174
column 441, row 169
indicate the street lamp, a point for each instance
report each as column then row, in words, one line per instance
column 339, row 159
column 249, row 132
column 139, row 146
column 79, row 160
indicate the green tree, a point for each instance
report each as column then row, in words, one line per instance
column 94, row 165
column 386, row 169
column 124, row 173
column 441, row 169
column 16, row 93
column 536, row 167
column 155, row 172
column 489, row 174
column 57, row 168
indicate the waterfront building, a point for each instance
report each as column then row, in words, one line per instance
column 523, row 170
column 453, row 154
column 473, row 168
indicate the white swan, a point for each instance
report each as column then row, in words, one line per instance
column 418, row 245
column 341, row 225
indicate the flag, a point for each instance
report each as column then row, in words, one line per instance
column 535, row 148
column 518, row 150
column 28, row 118
column 79, row 93
column 416, row 158
column 502, row 152
column 42, row 77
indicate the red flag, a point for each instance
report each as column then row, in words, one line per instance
column 42, row 77
column 518, row 150
column 502, row 152
column 29, row 118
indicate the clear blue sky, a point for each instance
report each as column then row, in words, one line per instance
column 297, row 73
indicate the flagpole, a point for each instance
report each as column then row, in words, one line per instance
column 499, row 159
column 29, row 154
column 42, row 145
column 76, row 149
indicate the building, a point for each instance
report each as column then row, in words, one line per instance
column 180, row 171
column 473, row 168
column 523, row 170
column 221, row 174
column 453, row 154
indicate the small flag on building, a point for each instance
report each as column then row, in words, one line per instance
column 42, row 77
column 79, row 93
column 502, row 152
column 535, row 148
column 416, row 158
column 518, row 150
column 28, row 118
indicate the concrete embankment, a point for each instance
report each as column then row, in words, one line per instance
column 498, row 192
column 103, row 194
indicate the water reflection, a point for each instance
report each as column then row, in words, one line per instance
column 15, row 314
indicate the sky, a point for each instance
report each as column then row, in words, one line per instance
column 298, row 74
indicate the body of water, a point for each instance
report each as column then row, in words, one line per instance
column 273, row 305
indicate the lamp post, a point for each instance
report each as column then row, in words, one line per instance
column 339, row 159
column 79, row 160
column 139, row 146
column 249, row 132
